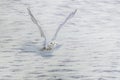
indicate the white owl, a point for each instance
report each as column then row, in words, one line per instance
column 52, row 44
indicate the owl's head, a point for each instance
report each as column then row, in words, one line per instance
column 53, row 43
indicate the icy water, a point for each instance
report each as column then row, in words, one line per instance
column 90, row 40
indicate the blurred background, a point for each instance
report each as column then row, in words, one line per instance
column 90, row 40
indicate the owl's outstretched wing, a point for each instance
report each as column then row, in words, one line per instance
column 61, row 25
column 34, row 20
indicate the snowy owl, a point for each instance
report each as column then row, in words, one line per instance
column 52, row 44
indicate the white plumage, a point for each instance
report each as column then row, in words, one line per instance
column 52, row 44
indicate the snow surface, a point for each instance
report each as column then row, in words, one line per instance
column 90, row 40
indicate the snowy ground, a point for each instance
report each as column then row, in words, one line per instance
column 90, row 40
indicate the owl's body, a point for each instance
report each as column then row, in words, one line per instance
column 50, row 46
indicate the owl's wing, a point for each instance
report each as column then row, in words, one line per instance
column 34, row 20
column 61, row 25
